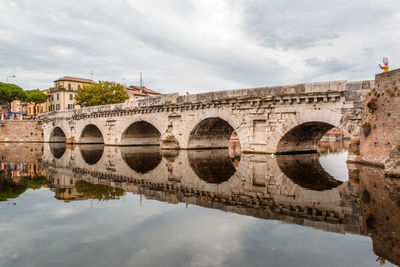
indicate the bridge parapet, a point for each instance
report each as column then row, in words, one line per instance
column 309, row 92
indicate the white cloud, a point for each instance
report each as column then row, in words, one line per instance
column 197, row 45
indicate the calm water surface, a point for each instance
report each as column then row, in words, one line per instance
column 137, row 206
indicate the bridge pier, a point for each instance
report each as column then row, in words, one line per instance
column 379, row 142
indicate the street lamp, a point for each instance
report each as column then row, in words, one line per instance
column 10, row 76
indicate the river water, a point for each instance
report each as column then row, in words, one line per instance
column 94, row 205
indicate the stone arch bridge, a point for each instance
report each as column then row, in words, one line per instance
column 280, row 119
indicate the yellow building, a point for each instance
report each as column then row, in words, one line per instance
column 71, row 83
column 30, row 109
column 40, row 108
column 64, row 187
column 45, row 107
column 63, row 94
column 61, row 97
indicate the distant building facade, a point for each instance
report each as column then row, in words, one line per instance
column 19, row 107
column 40, row 108
column 45, row 107
column 30, row 109
column 3, row 109
column 62, row 96
column 61, row 100
column 71, row 83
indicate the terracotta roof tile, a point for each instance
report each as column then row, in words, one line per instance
column 135, row 92
column 143, row 89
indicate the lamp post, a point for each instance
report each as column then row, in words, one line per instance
column 10, row 76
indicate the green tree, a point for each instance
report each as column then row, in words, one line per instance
column 35, row 182
column 36, row 97
column 98, row 191
column 10, row 92
column 11, row 189
column 102, row 93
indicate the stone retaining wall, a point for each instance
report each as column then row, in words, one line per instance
column 20, row 131
column 20, row 153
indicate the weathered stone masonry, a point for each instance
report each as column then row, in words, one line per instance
column 278, row 119
column 380, row 138
column 20, row 131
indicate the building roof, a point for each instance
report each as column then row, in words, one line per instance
column 141, row 90
column 74, row 79
column 135, row 92
column 46, row 91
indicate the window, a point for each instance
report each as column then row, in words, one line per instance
column 58, row 96
column 58, row 107
column 79, row 86
column 71, row 96
column 69, row 87
column 52, row 97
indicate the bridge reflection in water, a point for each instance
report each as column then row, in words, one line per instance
column 293, row 189
column 92, row 153
column 306, row 171
column 214, row 166
column 142, row 159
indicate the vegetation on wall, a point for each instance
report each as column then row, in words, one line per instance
column 102, row 93
column 366, row 127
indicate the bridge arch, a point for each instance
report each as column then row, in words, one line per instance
column 57, row 149
column 91, row 153
column 211, row 132
column 141, row 133
column 213, row 167
column 303, row 138
column 304, row 134
column 141, row 159
column 307, row 172
column 91, row 134
column 57, row 136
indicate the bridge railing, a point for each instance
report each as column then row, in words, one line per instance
column 350, row 90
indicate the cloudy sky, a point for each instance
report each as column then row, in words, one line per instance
column 197, row 45
column 41, row 231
